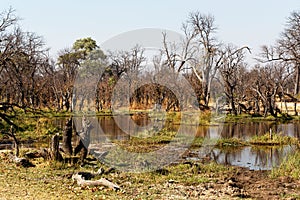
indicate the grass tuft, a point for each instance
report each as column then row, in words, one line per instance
column 273, row 139
column 290, row 167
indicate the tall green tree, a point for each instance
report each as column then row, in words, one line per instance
column 71, row 62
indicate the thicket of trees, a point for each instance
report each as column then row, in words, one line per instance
column 30, row 78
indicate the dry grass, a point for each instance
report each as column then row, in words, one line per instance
column 53, row 181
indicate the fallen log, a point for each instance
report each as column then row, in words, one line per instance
column 101, row 182
column 35, row 153
column 24, row 162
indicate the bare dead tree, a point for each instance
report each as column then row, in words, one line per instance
column 209, row 56
column 67, row 137
column 22, row 58
column 266, row 82
column 287, row 50
column 127, row 61
column 175, row 55
column 127, row 65
column 7, row 19
column 231, row 71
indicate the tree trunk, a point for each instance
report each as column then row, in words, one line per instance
column 84, row 139
column 296, row 91
column 67, row 137
column 233, row 106
column 205, row 94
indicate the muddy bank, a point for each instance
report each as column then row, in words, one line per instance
column 183, row 181
column 248, row 184
column 245, row 184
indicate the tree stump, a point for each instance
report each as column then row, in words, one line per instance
column 67, row 137
column 83, row 139
column 55, row 154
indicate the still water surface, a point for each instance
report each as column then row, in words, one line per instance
column 256, row 158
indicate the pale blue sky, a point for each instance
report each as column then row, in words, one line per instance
column 61, row 22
